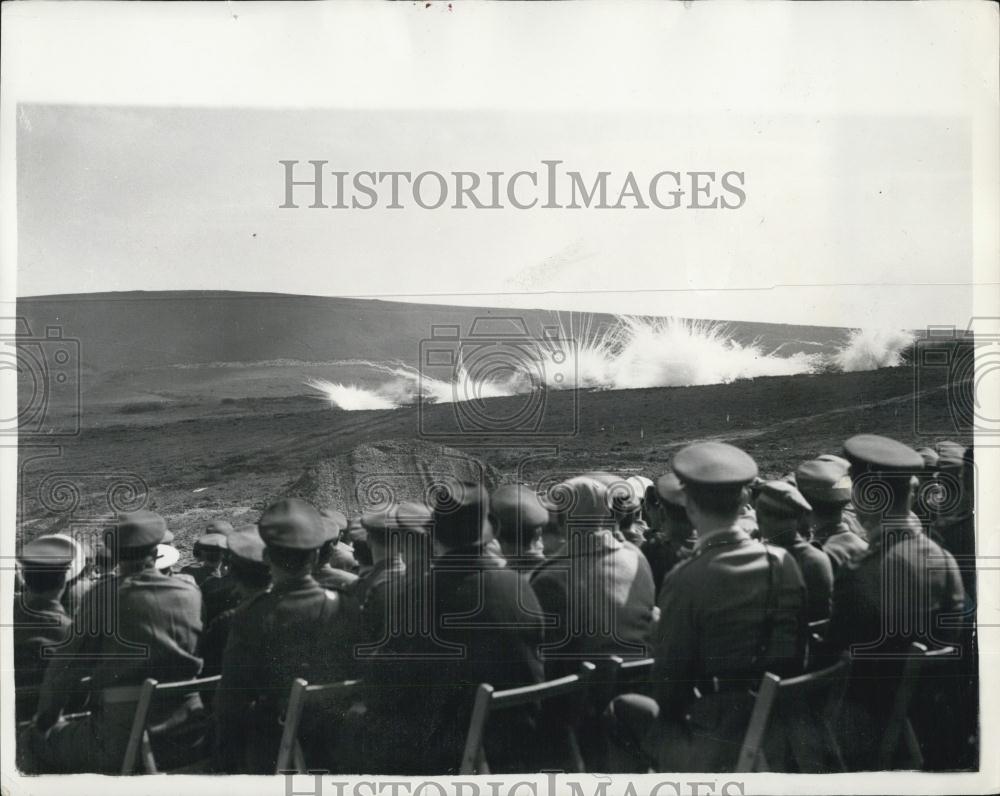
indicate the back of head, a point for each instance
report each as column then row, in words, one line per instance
column 882, row 470
column 293, row 530
column 583, row 505
column 519, row 515
column 460, row 515
column 45, row 563
column 781, row 509
column 715, row 476
column 825, row 484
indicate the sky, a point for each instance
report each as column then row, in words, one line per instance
column 860, row 176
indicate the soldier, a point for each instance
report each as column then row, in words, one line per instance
column 485, row 626
column 294, row 629
column 209, row 552
column 903, row 590
column 953, row 523
column 827, row 487
column 783, row 513
column 599, row 589
column 518, row 519
column 389, row 534
column 673, row 538
column 251, row 576
column 40, row 621
column 137, row 624
column 733, row 610
column 341, row 554
column 335, row 565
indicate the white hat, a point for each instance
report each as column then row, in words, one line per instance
column 79, row 557
column 166, row 556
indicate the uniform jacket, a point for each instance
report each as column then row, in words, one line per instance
column 485, row 627
column 712, row 618
column 817, row 573
column 663, row 553
column 293, row 629
column 144, row 625
column 372, row 593
column 840, row 543
column 599, row 592
column 335, row 579
column 37, row 624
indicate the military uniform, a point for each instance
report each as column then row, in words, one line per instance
column 294, row 629
column 147, row 625
column 483, row 625
column 214, row 540
column 733, row 610
column 826, row 484
column 40, row 621
column 897, row 593
column 675, row 539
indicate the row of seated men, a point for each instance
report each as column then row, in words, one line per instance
column 713, row 572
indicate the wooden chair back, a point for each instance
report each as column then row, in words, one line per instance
column 290, row 755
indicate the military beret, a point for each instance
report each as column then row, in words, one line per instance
column 781, row 499
column 669, row 490
column 405, row 516
column 714, row 464
column 246, row 544
column 951, row 455
column 517, row 506
column 212, row 540
column 219, row 526
column 882, row 454
column 79, row 561
column 139, row 529
column 824, row 481
column 292, row 523
column 48, row 552
column 930, row 457
column 166, row 556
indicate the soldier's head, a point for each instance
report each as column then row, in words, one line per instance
column 293, row 532
column 882, row 478
column 716, row 479
column 826, row 485
column 782, row 511
column 666, row 509
column 136, row 535
column 582, row 506
column 396, row 530
column 211, row 546
column 518, row 518
column 45, row 564
column 334, row 523
column 460, row 517
column 246, row 561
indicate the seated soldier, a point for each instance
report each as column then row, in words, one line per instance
column 209, row 552
column 251, row 576
column 296, row 628
column 141, row 623
column 334, row 567
column 827, row 487
column 478, row 622
column 40, row 621
column 732, row 611
column 782, row 514
column 672, row 538
column 598, row 589
column 518, row 518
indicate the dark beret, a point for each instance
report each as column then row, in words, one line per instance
column 292, row 523
column 881, row 454
column 48, row 552
column 139, row 529
column 517, row 506
column 246, row 544
column 781, row 499
column 824, row 481
column 714, row 464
